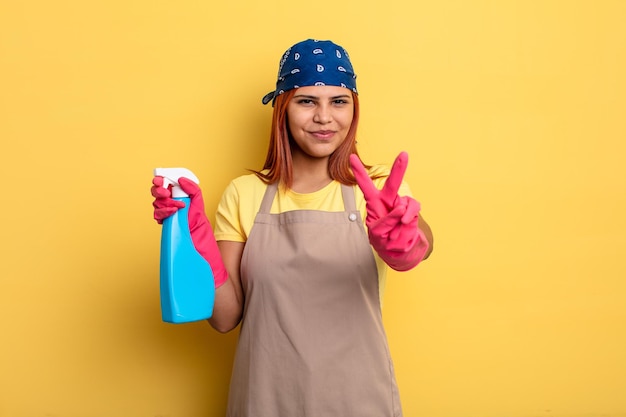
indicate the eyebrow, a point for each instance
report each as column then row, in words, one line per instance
column 317, row 98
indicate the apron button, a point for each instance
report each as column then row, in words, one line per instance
column 352, row 217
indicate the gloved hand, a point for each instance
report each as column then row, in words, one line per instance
column 392, row 220
column 164, row 205
column 199, row 225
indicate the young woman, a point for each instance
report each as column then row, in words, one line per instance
column 300, row 252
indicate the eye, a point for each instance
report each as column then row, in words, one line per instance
column 306, row 101
column 340, row 101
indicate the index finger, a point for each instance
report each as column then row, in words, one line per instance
column 392, row 185
column 363, row 179
column 188, row 186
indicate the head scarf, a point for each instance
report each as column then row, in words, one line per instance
column 311, row 63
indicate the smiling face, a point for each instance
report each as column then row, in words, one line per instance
column 319, row 119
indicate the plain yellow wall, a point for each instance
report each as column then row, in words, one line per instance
column 514, row 116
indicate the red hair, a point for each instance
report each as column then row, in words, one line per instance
column 278, row 163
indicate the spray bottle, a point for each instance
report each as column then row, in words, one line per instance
column 187, row 285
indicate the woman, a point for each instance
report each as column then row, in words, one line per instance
column 292, row 259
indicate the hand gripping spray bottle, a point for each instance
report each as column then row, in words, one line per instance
column 187, row 284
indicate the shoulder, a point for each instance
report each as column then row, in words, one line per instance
column 246, row 185
column 248, row 180
column 244, row 193
column 380, row 173
column 238, row 207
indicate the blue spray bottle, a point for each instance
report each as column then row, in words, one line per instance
column 187, row 284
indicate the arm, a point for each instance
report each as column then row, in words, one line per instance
column 229, row 298
column 425, row 228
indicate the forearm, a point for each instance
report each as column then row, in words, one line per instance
column 229, row 298
column 228, row 307
column 428, row 234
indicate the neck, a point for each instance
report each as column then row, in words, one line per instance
column 309, row 174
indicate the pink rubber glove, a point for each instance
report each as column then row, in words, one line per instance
column 199, row 225
column 164, row 205
column 392, row 220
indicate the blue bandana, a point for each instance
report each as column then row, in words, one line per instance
column 310, row 63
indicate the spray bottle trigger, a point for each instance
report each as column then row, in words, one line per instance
column 171, row 176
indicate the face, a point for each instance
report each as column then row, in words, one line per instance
column 319, row 119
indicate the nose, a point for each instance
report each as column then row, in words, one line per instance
column 323, row 114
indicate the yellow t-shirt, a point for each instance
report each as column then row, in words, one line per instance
column 242, row 199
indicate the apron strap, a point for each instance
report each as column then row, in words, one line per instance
column 349, row 203
column 268, row 198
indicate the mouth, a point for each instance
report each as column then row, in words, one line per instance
column 323, row 134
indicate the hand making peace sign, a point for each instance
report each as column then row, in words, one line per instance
column 391, row 220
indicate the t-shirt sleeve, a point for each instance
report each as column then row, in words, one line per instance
column 228, row 217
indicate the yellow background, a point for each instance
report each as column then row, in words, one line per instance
column 513, row 114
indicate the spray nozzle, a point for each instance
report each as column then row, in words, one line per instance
column 171, row 176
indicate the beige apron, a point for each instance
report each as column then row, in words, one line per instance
column 312, row 343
